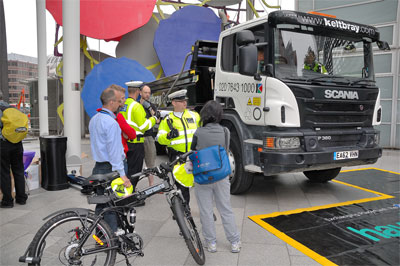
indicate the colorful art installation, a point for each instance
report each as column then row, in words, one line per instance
column 110, row 71
column 175, row 36
column 137, row 45
column 105, row 19
column 219, row 3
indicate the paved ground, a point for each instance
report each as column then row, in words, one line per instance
column 163, row 245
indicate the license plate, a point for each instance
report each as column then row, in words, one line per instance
column 342, row 155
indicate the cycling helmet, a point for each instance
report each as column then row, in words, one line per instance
column 117, row 185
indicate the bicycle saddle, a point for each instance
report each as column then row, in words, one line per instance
column 103, row 177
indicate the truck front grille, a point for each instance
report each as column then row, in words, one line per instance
column 319, row 112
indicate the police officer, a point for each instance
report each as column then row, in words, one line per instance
column 135, row 116
column 310, row 63
column 177, row 129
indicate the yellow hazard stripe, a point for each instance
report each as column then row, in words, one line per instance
column 258, row 219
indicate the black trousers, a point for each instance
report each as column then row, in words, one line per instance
column 172, row 154
column 135, row 157
column 12, row 157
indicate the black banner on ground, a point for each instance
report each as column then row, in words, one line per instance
column 360, row 232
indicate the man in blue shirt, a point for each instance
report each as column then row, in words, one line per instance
column 106, row 145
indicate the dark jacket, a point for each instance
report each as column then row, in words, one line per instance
column 210, row 135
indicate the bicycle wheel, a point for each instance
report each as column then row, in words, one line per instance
column 188, row 229
column 57, row 240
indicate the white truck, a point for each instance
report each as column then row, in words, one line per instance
column 286, row 112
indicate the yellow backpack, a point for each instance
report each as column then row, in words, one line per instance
column 15, row 125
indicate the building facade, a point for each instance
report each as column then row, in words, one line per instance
column 385, row 15
column 21, row 69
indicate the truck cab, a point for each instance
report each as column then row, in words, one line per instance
column 299, row 95
column 298, row 92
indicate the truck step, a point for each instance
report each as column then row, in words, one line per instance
column 253, row 168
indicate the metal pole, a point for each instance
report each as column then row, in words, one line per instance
column 71, row 86
column 249, row 11
column 42, row 67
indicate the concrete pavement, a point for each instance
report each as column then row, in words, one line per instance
column 162, row 243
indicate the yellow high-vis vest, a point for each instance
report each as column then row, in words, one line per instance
column 135, row 116
column 186, row 126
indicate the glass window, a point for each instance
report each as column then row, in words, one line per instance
column 383, row 63
column 386, row 110
column 328, row 4
column 386, row 86
column 398, row 112
column 366, row 13
column 386, row 34
column 228, row 56
column 312, row 55
column 397, row 136
column 230, row 51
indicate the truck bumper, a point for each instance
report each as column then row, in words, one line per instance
column 274, row 162
column 317, row 150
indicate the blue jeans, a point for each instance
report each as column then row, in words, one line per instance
column 109, row 217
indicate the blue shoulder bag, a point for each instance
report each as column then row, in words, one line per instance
column 210, row 164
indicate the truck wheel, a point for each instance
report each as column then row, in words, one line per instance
column 240, row 180
column 322, row 176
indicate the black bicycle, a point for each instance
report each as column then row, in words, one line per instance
column 78, row 236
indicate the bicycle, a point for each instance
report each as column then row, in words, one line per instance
column 77, row 236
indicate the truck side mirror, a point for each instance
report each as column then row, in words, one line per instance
column 383, row 45
column 248, row 60
column 247, row 53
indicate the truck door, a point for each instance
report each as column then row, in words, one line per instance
column 246, row 92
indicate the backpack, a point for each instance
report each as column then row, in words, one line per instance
column 15, row 125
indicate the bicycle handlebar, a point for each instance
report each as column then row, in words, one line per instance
column 181, row 158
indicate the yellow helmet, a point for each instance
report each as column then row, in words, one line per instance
column 183, row 174
column 117, row 185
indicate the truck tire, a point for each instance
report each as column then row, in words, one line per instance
column 322, row 176
column 240, row 180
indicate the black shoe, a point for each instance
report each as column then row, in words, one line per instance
column 5, row 204
column 20, row 202
column 215, row 217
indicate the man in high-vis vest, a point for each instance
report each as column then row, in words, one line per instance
column 177, row 129
column 310, row 63
column 135, row 116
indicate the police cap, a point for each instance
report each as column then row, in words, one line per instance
column 134, row 84
column 178, row 95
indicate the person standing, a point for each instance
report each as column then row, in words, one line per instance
column 177, row 129
column 212, row 133
column 11, row 157
column 150, row 152
column 135, row 115
column 106, row 145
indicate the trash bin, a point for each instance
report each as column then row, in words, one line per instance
column 53, row 164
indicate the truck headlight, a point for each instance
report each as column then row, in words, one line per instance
column 282, row 143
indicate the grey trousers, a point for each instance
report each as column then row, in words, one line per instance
column 220, row 193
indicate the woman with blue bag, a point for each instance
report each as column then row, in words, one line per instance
column 210, row 134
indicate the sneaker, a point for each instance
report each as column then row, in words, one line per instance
column 21, row 202
column 212, row 247
column 5, row 204
column 235, row 248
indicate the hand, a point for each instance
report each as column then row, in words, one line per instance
column 173, row 134
column 127, row 182
column 157, row 115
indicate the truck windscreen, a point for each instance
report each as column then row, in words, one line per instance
column 305, row 55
